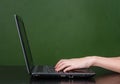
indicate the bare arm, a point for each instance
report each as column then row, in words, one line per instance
column 112, row 63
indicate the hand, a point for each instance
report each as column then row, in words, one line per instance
column 71, row 64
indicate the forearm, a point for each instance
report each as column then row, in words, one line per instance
column 112, row 63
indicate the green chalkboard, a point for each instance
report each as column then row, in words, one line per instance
column 60, row 29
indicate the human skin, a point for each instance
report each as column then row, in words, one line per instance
column 110, row 63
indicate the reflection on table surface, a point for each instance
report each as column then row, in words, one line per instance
column 113, row 78
column 63, row 81
column 18, row 75
column 108, row 79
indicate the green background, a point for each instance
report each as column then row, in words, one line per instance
column 60, row 29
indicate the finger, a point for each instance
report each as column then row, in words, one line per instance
column 62, row 67
column 58, row 63
column 68, row 69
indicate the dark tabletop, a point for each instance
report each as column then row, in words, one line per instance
column 18, row 75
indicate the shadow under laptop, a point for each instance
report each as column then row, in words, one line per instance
column 62, row 81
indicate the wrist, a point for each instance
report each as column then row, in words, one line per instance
column 92, row 60
column 97, row 60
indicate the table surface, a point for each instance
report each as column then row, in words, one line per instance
column 18, row 75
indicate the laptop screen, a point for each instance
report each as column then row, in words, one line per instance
column 24, row 42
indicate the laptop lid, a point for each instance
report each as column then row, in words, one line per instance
column 24, row 43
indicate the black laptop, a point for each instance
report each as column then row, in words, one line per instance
column 43, row 70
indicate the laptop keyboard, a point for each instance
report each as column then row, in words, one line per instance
column 49, row 69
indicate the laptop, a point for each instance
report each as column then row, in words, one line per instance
column 43, row 70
